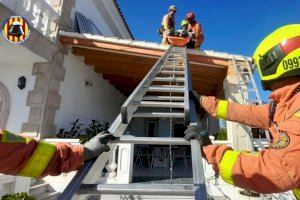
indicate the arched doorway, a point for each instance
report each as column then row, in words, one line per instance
column 4, row 105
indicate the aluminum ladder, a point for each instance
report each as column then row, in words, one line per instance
column 152, row 92
column 247, row 86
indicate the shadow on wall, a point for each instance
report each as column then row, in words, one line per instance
column 4, row 105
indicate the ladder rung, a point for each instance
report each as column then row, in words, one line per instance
column 249, row 90
column 167, row 79
column 157, row 104
column 175, row 67
column 174, row 59
column 165, row 89
column 163, row 98
column 252, row 101
column 151, row 140
column 159, row 115
column 138, row 189
column 172, row 72
column 246, row 81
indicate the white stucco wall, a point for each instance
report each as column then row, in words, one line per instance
column 9, row 74
column 100, row 101
column 89, row 9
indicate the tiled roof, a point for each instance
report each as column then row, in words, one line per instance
column 124, row 20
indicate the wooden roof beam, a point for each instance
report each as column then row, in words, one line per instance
column 110, row 46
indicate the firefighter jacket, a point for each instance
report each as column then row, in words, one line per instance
column 168, row 22
column 274, row 170
column 23, row 156
column 168, row 27
column 197, row 30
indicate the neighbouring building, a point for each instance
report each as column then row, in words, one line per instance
column 81, row 62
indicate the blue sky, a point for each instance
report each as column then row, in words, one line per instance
column 233, row 26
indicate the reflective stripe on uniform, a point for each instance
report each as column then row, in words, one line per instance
column 222, row 109
column 227, row 164
column 13, row 138
column 297, row 193
column 39, row 160
column 297, row 114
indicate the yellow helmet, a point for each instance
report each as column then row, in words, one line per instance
column 184, row 22
column 278, row 55
column 172, row 8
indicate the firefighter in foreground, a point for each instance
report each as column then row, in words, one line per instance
column 168, row 25
column 32, row 158
column 276, row 169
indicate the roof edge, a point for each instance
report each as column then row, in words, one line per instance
column 123, row 18
column 150, row 45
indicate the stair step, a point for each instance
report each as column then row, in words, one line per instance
column 35, row 182
column 48, row 195
column 159, row 115
column 163, row 98
column 168, row 79
column 172, row 72
column 38, row 189
column 138, row 189
column 156, row 104
column 165, row 89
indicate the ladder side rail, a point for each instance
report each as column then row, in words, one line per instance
column 198, row 171
column 257, row 93
column 136, row 189
column 91, row 171
column 128, row 108
column 197, row 164
column 187, row 88
column 252, row 77
column 239, row 79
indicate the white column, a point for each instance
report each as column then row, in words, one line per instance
column 125, row 163
column 112, row 167
column 237, row 133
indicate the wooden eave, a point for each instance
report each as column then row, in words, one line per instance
column 125, row 64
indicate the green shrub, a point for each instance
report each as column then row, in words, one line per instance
column 92, row 130
column 222, row 135
column 17, row 196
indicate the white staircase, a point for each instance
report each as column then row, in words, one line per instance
column 41, row 190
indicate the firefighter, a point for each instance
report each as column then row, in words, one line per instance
column 168, row 25
column 195, row 28
column 28, row 157
column 276, row 169
column 183, row 32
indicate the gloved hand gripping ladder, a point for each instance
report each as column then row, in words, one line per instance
column 83, row 184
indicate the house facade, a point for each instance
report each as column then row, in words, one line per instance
column 80, row 62
column 55, row 93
